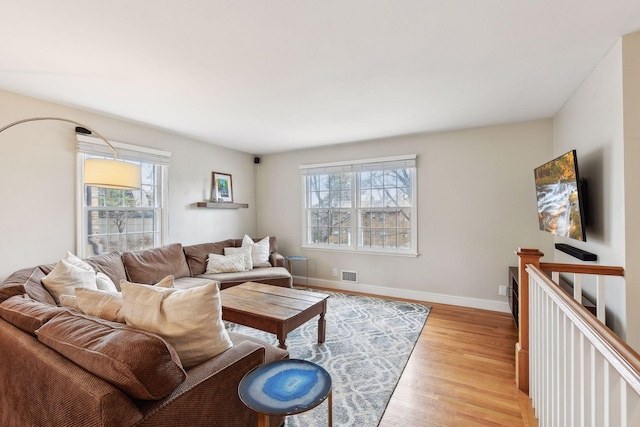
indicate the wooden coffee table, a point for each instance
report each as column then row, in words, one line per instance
column 273, row 309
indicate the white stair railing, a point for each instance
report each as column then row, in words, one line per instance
column 580, row 372
column 578, row 272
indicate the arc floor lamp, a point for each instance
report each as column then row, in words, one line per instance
column 104, row 173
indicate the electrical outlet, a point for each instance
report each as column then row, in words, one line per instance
column 335, row 272
column 502, row 290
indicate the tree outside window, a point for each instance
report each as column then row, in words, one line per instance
column 380, row 201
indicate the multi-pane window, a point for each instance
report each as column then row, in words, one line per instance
column 123, row 220
column 384, row 208
column 366, row 205
column 329, row 207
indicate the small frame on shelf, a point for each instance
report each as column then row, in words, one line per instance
column 221, row 189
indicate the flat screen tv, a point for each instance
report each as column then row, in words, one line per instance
column 560, row 195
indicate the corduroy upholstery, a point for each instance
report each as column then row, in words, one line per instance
column 41, row 387
column 187, row 264
column 26, row 281
column 111, row 265
column 276, row 275
column 27, row 314
column 152, row 265
column 139, row 363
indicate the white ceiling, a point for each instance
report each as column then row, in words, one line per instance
column 264, row 76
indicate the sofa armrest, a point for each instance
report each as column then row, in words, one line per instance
column 43, row 388
column 276, row 260
column 209, row 395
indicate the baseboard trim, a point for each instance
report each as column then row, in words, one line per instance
column 427, row 297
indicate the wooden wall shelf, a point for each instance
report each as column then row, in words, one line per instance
column 214, row 205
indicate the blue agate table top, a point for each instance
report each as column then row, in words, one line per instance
column 285, row 387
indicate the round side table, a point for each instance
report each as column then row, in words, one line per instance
column 291, row 259
column 285, row 387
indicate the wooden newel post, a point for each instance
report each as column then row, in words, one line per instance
column 526, row 256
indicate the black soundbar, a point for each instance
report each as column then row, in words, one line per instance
column 575, row 252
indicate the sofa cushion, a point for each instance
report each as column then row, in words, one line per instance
column 28, row 314
column 139, row 363
column 197, row 255
column 69, row 273
column 8, row 290
column 111, row 265
column 189, row 319
column 225, row 263
column 27, row 280
column 152, row 265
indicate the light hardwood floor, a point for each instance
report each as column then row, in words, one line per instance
column 461, row 373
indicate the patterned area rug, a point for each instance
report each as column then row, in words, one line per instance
column 368, row 343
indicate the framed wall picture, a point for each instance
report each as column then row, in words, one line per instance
column 221, row 189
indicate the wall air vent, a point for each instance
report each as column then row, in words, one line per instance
column 349, row 276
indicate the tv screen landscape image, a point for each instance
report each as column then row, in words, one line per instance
column 560, row 209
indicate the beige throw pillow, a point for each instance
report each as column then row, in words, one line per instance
column 167, row 282
column 188, row 319
column 69, row 273
column 244, row 250
column 259, row 251
column 225, row 264
column 69, row 301
column 105, row 305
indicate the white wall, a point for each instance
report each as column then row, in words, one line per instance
column 37, row 182
column 592, row 123
column 476, row 205
column 631, row 103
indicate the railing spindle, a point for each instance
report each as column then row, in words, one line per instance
column 600, row 301
column 577, row 287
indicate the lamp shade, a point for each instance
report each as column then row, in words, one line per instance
column 107, row 173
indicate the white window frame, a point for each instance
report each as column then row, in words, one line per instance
column 89, row 145
column 354, row 167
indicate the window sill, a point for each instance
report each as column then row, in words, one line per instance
column 338, row 249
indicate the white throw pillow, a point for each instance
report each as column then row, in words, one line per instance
column 69, row 273
column 102, row 304
column 225, row 264
column 104, row 283
column 188, row 319
column 246, row 251
column 259, row 251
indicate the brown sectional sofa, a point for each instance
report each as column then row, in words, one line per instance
column 41, row 387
